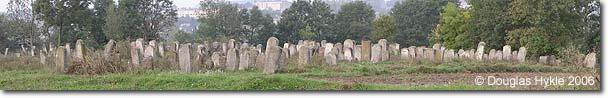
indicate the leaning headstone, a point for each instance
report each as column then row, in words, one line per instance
column 506, row 52
column 376, row 53
column 232, row 62
column 108, row 50
column 5, row 51
column 366, row 50
column 480, row 49
column 590, row 60
column 79, row 52
column 184, row 58
column 521, row 55
column 61, row 62
column 273, row 53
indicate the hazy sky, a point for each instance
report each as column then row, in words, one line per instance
column 178, row 3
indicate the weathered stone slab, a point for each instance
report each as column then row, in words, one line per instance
column 590, row 60
column 184, row 58
column 148, row 60
column 376, row 53
column 304, row 56
column 339, row 52
column 498, row 56
column 328, row 48
column 273, row 54
column 61, row 62
column 244, row 56
column 216, row 58
column 79, row 52
column 135, row 56
column 366, row 50
column 492, row 54
column 331, row 58
column 543, row 60
column 357, row 52
column 42, row 57
column 506, row 52
column 480, row 51
column 232, row 62
column 385, row 52
column 521, row 55
column 108, row 50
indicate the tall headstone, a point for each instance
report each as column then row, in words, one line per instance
column 108, row 50
column 42, row 58
column 385, row 52
column 376, row 53
column 480, row 48
column 79, row 52
column 161, row 49
column 232, row 62
column 148, row 60
column 348, row 50
column 331, row 58
column 244, row 56
column 506, row 52
column 366, row 50
column 357, row 53
column 273, row 54
column 492, row 54
column 216, row 58
column 521, row 55
column 134, row 56
column 184, row 58
column 61, row 62
column 304, row 56
column 5, row 51
column 328, row 47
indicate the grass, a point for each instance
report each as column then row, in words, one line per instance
column 15, row 74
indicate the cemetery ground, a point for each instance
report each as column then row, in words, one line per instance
column 25, row 73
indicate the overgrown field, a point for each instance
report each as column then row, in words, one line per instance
column 392, row 75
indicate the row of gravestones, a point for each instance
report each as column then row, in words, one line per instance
column 232, row 56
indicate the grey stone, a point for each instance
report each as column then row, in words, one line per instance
column 506, row 52
column 480, row 51
column 42, row 58
column 304, row 56
column 384, row 48
column 366, row 50
column 61, row 62
column 148, row 60
column 216, row 58
column 590, row 60
column 79, row 52
column 273, row 55
column 543, row 60
column 232, row 62
column 135, row 61
column 331, row 58
column 405, row 53
column 376, row 53
column 491, row 55
column 357, row 52
column 521, row 55
column 184, row 58
column 108, row 50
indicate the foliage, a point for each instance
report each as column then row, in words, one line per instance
column 452, row 29
column 384, row 28
column 355, row 20
column 489, row 22
column 415, row 20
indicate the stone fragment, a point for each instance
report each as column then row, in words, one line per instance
column 590, row 60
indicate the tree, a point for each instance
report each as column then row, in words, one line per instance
column 452, row 28
column 222, row 20
column 112, row 28
column 384, row 28
column 69, row 20
column 552, row 23
column 355, row 19
column 302, row 14
column 415, row 20
column 146, row 18
column 489, row 22
column 259, row 25
column 23, row 23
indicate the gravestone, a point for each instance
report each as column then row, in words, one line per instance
column 148, row 61
column 230, row 44
column 357, row 53
column 366, row 50
column 412, row 52
column 108, row 50
column 273, row 54
column 420, row 52
column 232, row 62
column 543, row 60
column 521, row 55
column 184, row 58
column 42, row 58
column 339, row 53
column 384, row 48
column 506, row 52
column 79, row 52
column 61, row 60
column 244, row 56
column 328, row 48
column 331, row 58
column 405, row 53
column 590, row 60
column 216, row 58
column 376, row 53
column 161, row 49
column 134, row 56
column 5, row 51
column 253, row 54
column 498, row 56
column 491, row 55
column 304, row 55
column 260, row 61
column 480, row 51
